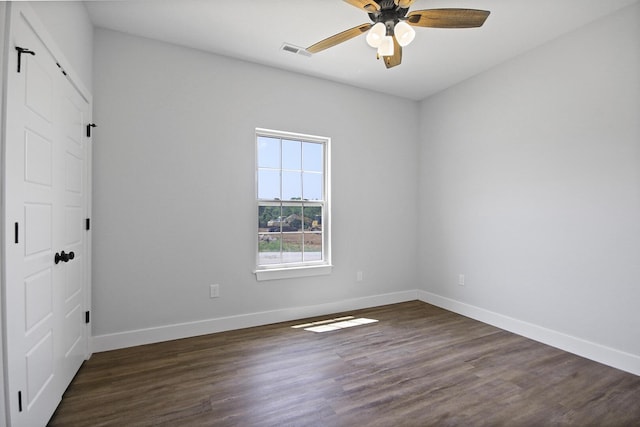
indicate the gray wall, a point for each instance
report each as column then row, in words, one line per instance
column 530, row 186
column 174, row 184
column 527, row 180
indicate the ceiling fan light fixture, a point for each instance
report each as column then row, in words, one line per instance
column 404, row 33
column 392, row 26
column 386, row 47
column 376, row 34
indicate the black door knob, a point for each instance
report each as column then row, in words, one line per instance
column 64, row 257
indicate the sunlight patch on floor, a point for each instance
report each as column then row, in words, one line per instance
column 334, row 324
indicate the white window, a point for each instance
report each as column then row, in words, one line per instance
column 292, row 198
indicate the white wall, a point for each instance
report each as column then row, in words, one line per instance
column 530, row 186
column 174, row 185
column 69, row 24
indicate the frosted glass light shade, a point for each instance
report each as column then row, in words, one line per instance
column 376, row 34
column 404, row 33
column 386, row 47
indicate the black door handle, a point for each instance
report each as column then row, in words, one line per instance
column 60, row 257
column 64, row 257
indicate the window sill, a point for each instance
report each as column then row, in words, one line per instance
column 292, row 272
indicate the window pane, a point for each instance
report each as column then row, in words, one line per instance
column 268, row 184
column 291, row 186
column 312, row 246
column 292, row 220
column 291, row 154
column 292, row 247
column 312, row 156
column 313, row 218
column 269, row 251
column 312, row 185
column 269, row 218
column 268, row 152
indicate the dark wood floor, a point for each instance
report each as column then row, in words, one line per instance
column 418, row 366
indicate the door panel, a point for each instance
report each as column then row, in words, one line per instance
column 39, row 298
column 40, row 370
column 73, row 282
column 38, row 159
column 73, row 332
column 39, row 91
column 46, row 195
column 73, row 232
column 74, row 173
column 38, row 219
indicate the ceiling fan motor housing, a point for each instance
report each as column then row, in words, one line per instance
column 389, row 14
column 386, row 4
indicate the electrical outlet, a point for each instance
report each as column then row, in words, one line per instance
column 214, row 291
column 359, row 276
column 461, row 279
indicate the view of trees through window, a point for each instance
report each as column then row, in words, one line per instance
column 291, row 200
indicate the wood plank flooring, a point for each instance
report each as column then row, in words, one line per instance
column 417, row 366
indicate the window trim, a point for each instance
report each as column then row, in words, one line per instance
column 303, row 269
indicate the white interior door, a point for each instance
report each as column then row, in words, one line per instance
column 73, row 202
column 45, row 207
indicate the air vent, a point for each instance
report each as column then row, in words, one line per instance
column 294, row 49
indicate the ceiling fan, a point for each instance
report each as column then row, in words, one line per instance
column 392, row 26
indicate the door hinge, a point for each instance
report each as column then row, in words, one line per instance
column 19, row 401
column 89, row 126
column 87, row 224
column 22, row 50
column 15, row 231
column 87, row 317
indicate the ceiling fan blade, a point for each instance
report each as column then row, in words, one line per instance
column 369, row 6
column 447, row 18
column 396, row 58
column 339, row 38
column 404, row 3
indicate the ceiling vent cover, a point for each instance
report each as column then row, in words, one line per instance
column 297, row 50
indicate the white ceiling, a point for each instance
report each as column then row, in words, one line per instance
column 254, row 30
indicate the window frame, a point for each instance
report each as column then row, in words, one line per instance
column 303, row 268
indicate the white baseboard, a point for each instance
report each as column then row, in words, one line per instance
column 191, row 329
column 590, row 350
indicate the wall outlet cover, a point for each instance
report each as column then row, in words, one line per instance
column 214, row 291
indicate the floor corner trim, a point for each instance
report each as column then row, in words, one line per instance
column 597, row 352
